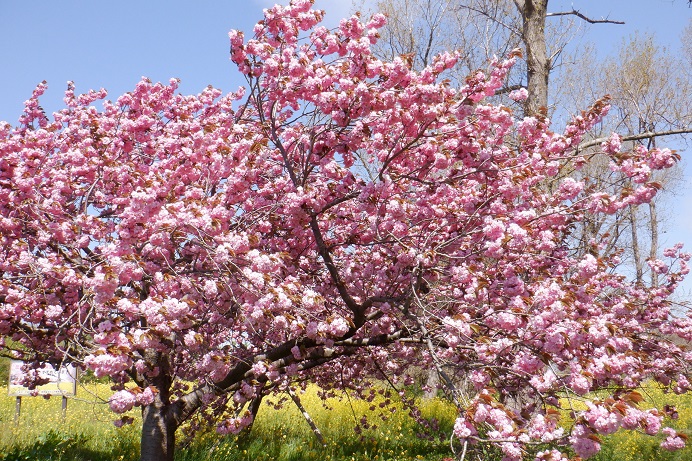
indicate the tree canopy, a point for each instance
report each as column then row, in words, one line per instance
column 205, row 250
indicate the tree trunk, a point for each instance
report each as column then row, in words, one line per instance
column 432, row 383
column 653, row 251
column 533, row 13
column 636, row 254
column 158, row 432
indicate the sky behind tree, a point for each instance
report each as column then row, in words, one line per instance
column 113, row 44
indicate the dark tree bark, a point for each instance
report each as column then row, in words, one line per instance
column 158, row 432
column 159, row 419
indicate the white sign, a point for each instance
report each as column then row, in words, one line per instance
column 61, row 382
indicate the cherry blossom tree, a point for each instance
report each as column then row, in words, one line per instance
column 204, row 251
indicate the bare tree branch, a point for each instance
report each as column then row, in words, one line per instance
column 585, row 18
column 497, row 20
column 306, row 415
column 634, row 137
column 508, row 89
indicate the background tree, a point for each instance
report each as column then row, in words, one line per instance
column 203, row 251
column 647, row 99
column 650, row 100
column 479, row 30
column 420, row 29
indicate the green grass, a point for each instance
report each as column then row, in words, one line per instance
column 87, row 433
column 284, row 435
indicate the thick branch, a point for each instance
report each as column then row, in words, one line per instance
column 373, row 341
column 187, row 405
column 653, row 250
column 537, row 63
column 585, row 18
column 319, row 240
column 428, row 47
column 636, row 254
column 323, row 251
column 279, row 356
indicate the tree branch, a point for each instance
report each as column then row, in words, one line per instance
column 496, row 19
column 322, row 248
column 585, row 18
column 280, row 356
column 372, row 341
column 509, row 89
column 324, row 252
column 306, row 415
column 634, row 137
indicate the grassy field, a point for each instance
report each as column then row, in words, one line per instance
column 87, row 433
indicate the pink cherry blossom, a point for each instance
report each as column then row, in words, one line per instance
column 519, row 95
column 122, row 401
column 673, row 440
column 340, row 220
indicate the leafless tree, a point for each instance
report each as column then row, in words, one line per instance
column 649, row 88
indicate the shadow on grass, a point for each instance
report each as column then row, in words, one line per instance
column 279, row 448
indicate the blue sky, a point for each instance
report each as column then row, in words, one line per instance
column 113, row 44
column 664, row 18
